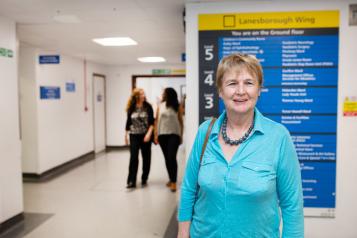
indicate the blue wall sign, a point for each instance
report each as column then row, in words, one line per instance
column 49, row 59
column 70, row 87
column 49, row 92
column 300, row 91
column 183, row 57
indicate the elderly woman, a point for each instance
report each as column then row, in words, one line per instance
column 249, row 177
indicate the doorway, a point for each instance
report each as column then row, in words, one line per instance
column 154, row 85
column 99, row 113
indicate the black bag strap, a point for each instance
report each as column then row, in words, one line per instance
column 206, row 138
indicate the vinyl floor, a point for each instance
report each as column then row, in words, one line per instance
column 91, row 201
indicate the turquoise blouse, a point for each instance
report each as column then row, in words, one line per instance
column 248, row 196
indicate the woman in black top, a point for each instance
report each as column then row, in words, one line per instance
column 140, row 125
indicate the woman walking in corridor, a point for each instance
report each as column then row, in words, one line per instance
column 168, row 132
column 139, row 125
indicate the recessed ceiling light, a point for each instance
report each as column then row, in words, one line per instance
column 151, row 59
column 115, row 41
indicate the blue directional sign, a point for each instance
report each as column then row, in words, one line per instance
column 287, row 99
column 300, row 91
column 300, row 69
column 50, row 92
column 70, row 87
column 318, row 181
column 49, row 59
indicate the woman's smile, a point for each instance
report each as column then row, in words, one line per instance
column 240, row 100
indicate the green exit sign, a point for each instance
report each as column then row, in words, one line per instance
column 6, row 53
column 161, row 71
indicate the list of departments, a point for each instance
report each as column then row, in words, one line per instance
column 300, row 91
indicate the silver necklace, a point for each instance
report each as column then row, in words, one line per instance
column 230, row 141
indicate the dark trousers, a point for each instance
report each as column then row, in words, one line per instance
column 169, row 145
column 137, row 143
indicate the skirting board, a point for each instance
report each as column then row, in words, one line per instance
column 11, row 222
column 116, row 147
column 59, row 170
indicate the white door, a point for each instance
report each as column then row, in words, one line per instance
column 99, row 113
column 154, row 87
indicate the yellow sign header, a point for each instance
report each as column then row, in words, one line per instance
column 268, row 20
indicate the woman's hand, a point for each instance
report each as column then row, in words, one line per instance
column 184, row 229
column 148, row 134
column 126, row 139
column 156, row 136
column 147, row 138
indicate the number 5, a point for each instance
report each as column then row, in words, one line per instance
column 209, row 54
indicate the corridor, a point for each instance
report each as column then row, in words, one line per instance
column 91, row 201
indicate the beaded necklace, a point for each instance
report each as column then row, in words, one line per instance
column 228, row 140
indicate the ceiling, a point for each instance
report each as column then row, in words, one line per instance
column 157, row 26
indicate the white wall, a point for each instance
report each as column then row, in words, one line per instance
column 154, row 88
column 346, row 195
column 118, row 92
column 28, row 105
column 11, row 199
column 55, row 131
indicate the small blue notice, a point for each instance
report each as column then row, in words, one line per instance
column 49, row 59
column 183, row 57
column 49, row 92
column 70, row 87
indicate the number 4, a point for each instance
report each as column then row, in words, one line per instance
column 209, row 79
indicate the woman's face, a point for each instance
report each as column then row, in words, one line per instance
column 163, row 96
column 239, row 91
column 141, row 96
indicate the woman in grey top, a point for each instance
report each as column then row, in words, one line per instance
column 168, row 132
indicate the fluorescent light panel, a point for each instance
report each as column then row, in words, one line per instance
column 115, row 41
column 151, row 59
